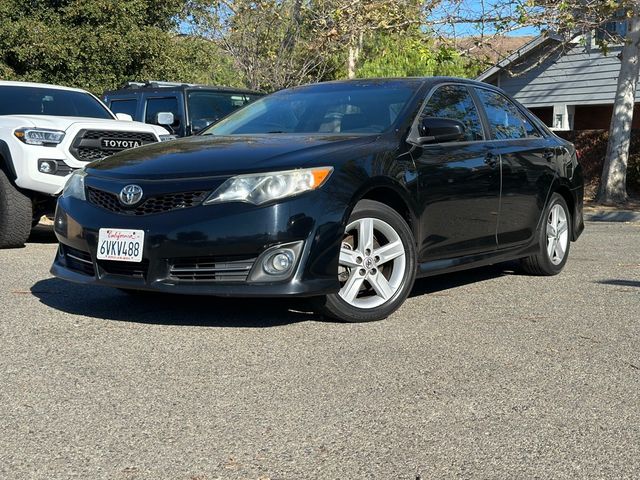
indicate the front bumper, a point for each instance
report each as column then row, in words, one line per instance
column 225, row 234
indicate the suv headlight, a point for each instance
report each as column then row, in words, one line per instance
column 167, row 138
column 75, row 185
column 39, row 136
column 259, row 188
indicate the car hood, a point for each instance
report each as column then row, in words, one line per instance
column 211, row 156
column 64, row 123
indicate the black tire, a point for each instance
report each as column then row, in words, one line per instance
column 16, row 214
column 336, row 307
column 541, row 264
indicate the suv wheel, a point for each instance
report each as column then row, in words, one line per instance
column 377, row 265
column 15, row 214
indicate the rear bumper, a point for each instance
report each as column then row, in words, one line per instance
column 225, row 234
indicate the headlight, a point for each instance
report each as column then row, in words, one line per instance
column 75, row 185
column 258, row 188
column 166, row 138
column 39, row 136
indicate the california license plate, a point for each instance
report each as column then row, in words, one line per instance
column 120, row 245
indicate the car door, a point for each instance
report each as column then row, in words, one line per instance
column 528, row 160
column 459, row 182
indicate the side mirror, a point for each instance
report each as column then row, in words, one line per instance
column 165, row 118
column 124, row 117
column 440, row 130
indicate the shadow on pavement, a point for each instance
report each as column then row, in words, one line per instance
column 438, row 283
column 163, row 309
column 620, row 283
column 166, row 309
column 42, row 234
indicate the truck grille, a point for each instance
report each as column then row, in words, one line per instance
column 90, row 145
column 156, row 204
column 208, row 269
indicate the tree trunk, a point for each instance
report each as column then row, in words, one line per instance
column 613, row 184
column 354, row 55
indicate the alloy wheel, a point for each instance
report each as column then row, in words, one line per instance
column 372, row 263
column 557, row 234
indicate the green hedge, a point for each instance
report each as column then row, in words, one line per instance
column 592, row 148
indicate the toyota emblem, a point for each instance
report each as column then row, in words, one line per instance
column 131, row 195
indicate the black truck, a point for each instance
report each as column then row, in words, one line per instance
column 184, row 109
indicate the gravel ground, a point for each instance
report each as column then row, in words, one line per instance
column 481, row 374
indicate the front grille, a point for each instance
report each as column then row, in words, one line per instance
column 87, row 146
column 125, row 269
column 157, row 204
column 210, row 269
column 77, row 260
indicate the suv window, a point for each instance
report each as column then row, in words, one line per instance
column 505, row 119
column 158, row 105
column 124, row 106
column 455, row 101
column 206, row 108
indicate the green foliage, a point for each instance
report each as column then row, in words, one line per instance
column 412, row 54
column 100, row 44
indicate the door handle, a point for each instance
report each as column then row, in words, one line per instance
column 491, row 159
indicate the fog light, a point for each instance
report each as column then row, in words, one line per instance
column 48, row 166
column 279, row 262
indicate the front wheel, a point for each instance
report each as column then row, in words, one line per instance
column 555, row 240
column 377, row 265
column 15, row 214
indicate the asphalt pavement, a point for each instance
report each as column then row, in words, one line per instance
column 481, row 374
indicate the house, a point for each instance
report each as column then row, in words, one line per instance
column 569, row 86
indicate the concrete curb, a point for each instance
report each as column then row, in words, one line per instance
column 597, row 215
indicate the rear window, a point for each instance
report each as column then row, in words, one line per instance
column 15, row 100
column 124, row 106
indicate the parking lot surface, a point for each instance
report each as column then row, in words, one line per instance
column 481, row 374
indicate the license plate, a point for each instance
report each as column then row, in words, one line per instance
column 120, row 245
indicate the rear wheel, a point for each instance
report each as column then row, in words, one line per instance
column 377, row 265
column 555, row 240
column 15, row 214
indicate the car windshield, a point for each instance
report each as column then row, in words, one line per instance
column 330, row 108
column 206, row 108
column 15, row 100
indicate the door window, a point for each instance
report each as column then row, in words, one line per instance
column 455, row 102
column 124, row 106
column 160, row 105
column 506, row 122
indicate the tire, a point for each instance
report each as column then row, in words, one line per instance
column 16, row 214
column 554, row 239
column 372, row 288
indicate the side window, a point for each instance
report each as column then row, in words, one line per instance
column 158, row 105
column 505, row 120
column 454, row 101
column 124, row 106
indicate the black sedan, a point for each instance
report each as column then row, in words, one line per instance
column 342, row 191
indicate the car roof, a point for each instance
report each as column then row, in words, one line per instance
column 7, row 83
column 415, row 80
column 159, row 87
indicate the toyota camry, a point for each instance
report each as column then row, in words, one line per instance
column 343, row 192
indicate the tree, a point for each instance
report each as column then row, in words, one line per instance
column 570, row 19
column 100, row 44
column 412, row 54
column 348, row 22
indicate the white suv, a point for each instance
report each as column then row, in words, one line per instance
column 47, row 132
